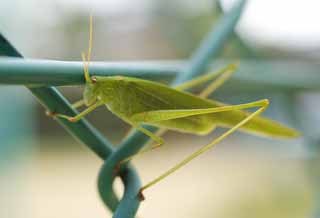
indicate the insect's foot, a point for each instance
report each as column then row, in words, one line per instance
column 117, row 169
column 72, row 119
column 119, row 77
column 93, row 79
column 51, row 114
column 141, row 196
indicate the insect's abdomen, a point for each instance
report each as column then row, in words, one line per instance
column 194, row 126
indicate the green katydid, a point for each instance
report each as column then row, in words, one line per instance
column 137, row 101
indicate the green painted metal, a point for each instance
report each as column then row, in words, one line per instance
column 16, row 109
column 270, row 74
column 212, row 44
column 57, row 73
column 311, row 142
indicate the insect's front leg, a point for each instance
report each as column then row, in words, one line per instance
column 77, row 104
column 159, row 142
column 78, row 116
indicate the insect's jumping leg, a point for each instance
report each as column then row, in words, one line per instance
column 262, row 107
column 212, row 87
column 78, row 116
column 222, row 74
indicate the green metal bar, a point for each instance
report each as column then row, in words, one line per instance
column 279, row 74
column 312, row 143
column 266, row 74
column 53, row 73
column 213, row 43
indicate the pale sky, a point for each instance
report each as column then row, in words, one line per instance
column 292, row 23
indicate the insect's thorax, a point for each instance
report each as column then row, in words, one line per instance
column 119, row 98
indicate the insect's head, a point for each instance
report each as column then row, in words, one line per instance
column 90, row 89
column 90, row 93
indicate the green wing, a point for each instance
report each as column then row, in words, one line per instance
column 176, row 99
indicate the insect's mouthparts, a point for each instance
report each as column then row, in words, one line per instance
column 93, row 79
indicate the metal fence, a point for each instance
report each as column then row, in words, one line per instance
column 40, row 77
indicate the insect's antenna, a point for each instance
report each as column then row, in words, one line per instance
column 85, row 60
column 236, row 64
column 90, row 44
column 85, row 67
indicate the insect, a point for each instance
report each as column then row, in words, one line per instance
column 137, row 101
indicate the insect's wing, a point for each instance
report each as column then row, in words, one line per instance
column 151, row 96
column 183, row 100
column 258, row 125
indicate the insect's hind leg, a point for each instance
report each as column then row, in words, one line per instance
column 77, row 104
column 221, row 76
column 213, row 86
column 263, row 107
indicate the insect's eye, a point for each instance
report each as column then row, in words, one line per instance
column 93, row 79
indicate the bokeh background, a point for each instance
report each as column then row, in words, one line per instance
column 44, row 172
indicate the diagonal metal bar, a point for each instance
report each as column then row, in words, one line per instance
column 213, row 43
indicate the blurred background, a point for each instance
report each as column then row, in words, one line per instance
column 46, row 173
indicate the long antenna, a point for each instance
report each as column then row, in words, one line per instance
column 85, row 68
column 90, row 41
column 83, row 55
